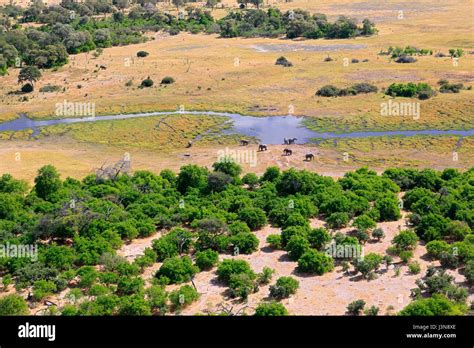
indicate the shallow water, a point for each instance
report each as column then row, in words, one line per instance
column 269, row 129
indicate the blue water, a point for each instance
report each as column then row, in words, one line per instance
column 269, row 130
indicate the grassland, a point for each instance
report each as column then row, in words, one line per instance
column 235, row 75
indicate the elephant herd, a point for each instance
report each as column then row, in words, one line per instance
column 286, row 152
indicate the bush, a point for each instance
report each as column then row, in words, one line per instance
column 283, row 61
column 50, row 89
column 318, row 238
column 183, row 297
column 284, row 287
column 364, row 87
column 254, row 217
column 291, row 231
column 378, row 233
column 167, row 80
column 405, row 240
column 244, row 242
column 337, row 220
column 231, row 266
column 404, row 59
column 469, row 272
column 436, row 247
column 414, row 267
column 27, row 88
column 142, row 54
column 315, row 262
column 356, row 307
column 242, row 284
column 13, row 305
column 370, row 263
column 274, row 240
column 265, row 276
column 436, row 305
column 270, row 309
column 405, row 255
column 297, row 246
column 177, row 269
column 206, row 259
column 147, row 82
column 328, row 91
column 43, row 288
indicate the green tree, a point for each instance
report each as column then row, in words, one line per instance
column 177, row 269
column 284, row 287
column 297, row 246
column 13, row 305
column 315, row 262
column 206, row 259
column 47, row 182
column 29, row 74
column 356, row 307
column 274, row 309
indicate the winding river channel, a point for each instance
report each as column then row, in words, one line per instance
column 268, row 129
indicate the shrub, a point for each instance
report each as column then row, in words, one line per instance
column 364, row 87
column 297, row 246
column 167, row 80
column 147, row 82
column 206, row 259
column 291, row 231
column 405, row 255
column 50, row 89
column 242, row 284
column 405, row 59
column 372, row 311
column 27, row 88
column 356, row 307
column 328, row 91
column 378, row 233
column 245, row 242
column 337, row 220
column 414, row 267
column 284, row 287
column 318, row 238
column 405, row 240
column 283, row 61
column 231, row 266
column 315, row 262
column 436, row 305
column 270, row 309
column 142, row 54
column 177, row 269
column 370, row 263
column 254, row 217
column 184, row 296
column 436, row 247
column 43, row 288
column 13, row 305
column 469, row 272
column 364, row 223
column 274, row 240
column 265, row 276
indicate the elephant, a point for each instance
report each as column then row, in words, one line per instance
column 244, row 142
column 309, row 157
column 287, row 152
column 262, row 147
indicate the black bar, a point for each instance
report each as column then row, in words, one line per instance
column 218, row 330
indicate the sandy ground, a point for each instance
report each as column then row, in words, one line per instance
column 23, row 159
column 328, row 294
